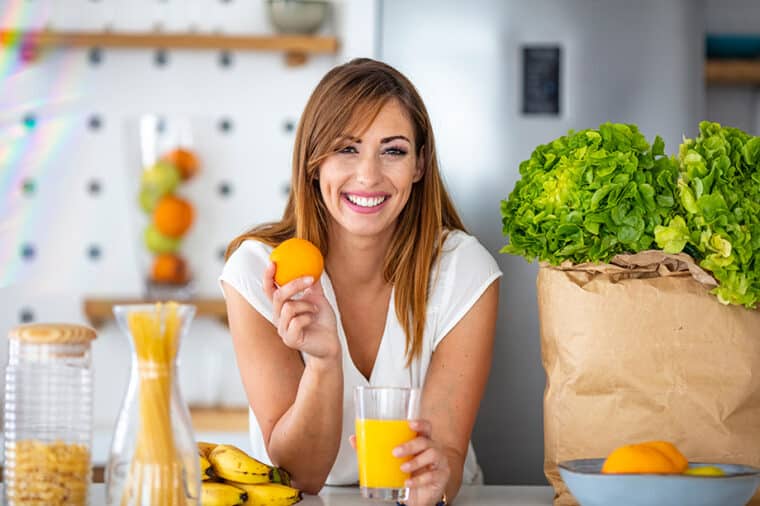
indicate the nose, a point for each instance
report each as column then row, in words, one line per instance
column 368, row 171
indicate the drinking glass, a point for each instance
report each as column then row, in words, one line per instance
column 382, row 423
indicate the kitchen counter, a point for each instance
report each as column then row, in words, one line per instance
column 490, row 495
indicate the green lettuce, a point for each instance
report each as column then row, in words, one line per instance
column 718, row 216
column 590, row 195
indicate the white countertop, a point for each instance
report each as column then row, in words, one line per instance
column 489, row 495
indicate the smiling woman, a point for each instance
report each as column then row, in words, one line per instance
column 406, row 296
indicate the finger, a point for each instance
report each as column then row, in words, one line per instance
column 413, row 447
column 422, row 427
column 291, row 309
column 352, row 441
column 427, row 479
column 268, row 283
column 429, row 459
column 294, row 335
column 284, row 293
column 298, row 285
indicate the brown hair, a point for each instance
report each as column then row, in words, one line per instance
column 347, row 99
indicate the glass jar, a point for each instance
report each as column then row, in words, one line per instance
column 48, row 415
column 154, row 457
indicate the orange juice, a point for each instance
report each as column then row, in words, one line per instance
column 375, row 440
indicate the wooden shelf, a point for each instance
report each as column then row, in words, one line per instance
column 295, row 47
column 743, row 72
column 219, row 419
column 99, row 311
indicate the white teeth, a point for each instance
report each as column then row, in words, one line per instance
column 366, row 201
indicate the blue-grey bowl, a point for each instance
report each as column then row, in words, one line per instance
column 592, row 488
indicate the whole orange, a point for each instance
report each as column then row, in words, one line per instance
column 173, row 215
column 169, row 268
column 296, row 258
column 185, row 161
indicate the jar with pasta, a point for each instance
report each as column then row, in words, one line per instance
column 48, row 415
column 154, row 457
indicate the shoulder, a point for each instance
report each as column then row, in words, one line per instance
column 249, row 255
column 465, row 253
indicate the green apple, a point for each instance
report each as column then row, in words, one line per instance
column 160, row 178
column 158, row 243
column 148, row 199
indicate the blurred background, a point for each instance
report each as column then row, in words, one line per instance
column 94, row 93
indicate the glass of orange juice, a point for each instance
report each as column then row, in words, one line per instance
column 382, row 423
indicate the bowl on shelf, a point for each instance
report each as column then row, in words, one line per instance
column 297, row 16
column 592, row 488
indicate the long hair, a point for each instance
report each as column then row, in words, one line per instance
column 347, row 99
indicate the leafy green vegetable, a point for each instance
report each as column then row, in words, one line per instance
column 590, row 195
column 718, row 221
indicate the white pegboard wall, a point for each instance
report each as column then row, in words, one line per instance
column 68, row 181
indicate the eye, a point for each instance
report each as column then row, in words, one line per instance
column 347, row 149
column 395, row 151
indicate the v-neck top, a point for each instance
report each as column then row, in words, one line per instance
column 463, row 272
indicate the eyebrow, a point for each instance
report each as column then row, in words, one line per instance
column 384, row 140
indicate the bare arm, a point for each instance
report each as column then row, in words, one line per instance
column 451, row 397
column 298, row 406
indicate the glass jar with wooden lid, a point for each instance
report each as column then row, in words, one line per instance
column 48, row 415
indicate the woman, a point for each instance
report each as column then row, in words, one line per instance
column 407, row 297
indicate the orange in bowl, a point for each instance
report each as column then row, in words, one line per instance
column 296, row 258
column 651, row 457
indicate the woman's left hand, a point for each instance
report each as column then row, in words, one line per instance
column 429, row 466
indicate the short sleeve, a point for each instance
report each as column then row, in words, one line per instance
column 466, row 270
column 244, row 271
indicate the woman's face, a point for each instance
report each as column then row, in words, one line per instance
column 367, row 181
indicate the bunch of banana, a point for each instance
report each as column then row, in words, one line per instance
column 231, row 477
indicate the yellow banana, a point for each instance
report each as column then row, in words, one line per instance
column 232, row 463
column 205, row 448
column 269, row 494
column 222, row 494
column 207, row 472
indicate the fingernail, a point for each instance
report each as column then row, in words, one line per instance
column 308, row 280
column 405, row 467
column 408, row 483
column 397, row 452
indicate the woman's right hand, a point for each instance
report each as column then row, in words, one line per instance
column 306, row 323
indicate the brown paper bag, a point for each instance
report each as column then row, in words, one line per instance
column 639, row 350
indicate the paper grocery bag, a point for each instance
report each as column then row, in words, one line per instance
column 639, row 350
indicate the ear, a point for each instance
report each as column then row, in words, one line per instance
column 419, row 170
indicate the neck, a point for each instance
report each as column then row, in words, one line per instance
column 357, row 260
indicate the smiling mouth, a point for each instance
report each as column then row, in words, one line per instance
column 367, row 202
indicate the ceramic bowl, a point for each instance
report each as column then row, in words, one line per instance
column 592, row 488
column 297, row 16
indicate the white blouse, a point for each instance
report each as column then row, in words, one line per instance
column 465, row 269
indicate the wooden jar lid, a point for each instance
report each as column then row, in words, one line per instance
column 52, row 333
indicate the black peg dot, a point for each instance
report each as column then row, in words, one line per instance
column 225, row 59
column 28, row 252
column 226, row 1
column 161, row 125
column 289, row 125
column 29, row 120
column 94, row 187
column 26, row 315
column 95, row 56
column 224, row 189
column 225, row 125
column 28, row 187
column 161, row 58
column 285, row 189
column 221, row 253
column 94, row 252
column 94, row 123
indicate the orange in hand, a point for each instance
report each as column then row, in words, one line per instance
column 651, row 457
column 296, row 258
column 173, row 216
